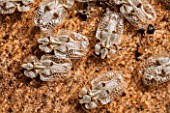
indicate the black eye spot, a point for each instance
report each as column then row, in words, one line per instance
column 107, row 91
column 82, row 16
column 103, row 84
column 139, row 5
column 150, row 29
column 46, row 9
column 55, row 15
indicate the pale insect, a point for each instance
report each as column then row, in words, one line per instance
column 105, row 88
column 10, row 6
column 155, row 70
column 66, row 44
column 139, row 13
column 109, row 33
column 49, row 68
column 49, row 15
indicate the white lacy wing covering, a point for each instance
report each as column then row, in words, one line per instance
column 48, row 67
column 69, row 44
column 105, row 88
column 109, row 33
column 49, row 15
column 65, row 44
column 139, row 13
column 59, row 68
column 155, row 70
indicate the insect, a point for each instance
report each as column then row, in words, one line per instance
column 49, row 15
column 155, row 70
column 10, row 6
column 109, row 33
column 48, row 67
column 65, row 44
column 103, row 90
column 138, row 12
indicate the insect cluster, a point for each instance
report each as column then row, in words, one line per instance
column 10, row 6
column 60, row 48
column 104, row 89
column 65, row 45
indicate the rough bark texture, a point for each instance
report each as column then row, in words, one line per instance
column 20, row 94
